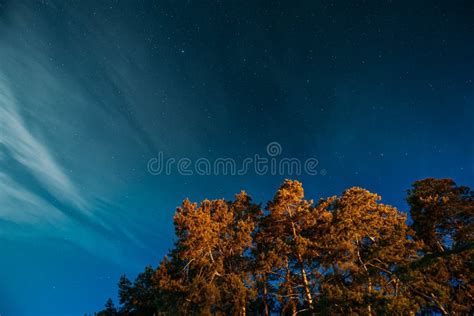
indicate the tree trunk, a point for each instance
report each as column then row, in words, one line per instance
column 369, row 280
column 307, row 290
column 265, row 298
column 290, row 289
column 369, row 292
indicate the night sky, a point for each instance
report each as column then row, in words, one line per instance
column 381, row 93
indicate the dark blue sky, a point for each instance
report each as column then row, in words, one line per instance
column 380, row 93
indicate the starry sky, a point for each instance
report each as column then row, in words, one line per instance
column 381, row 93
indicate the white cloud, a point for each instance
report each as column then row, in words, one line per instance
column 30, row 152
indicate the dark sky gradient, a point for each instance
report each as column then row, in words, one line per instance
column 381, row 93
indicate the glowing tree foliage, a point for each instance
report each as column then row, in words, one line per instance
column 344, row 255
column 285, row 239
column 365, row 243
column 209, row 269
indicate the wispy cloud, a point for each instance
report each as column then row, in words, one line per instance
column 21, row 206
column 76, row 132
column 61, row 152
column 31, row 153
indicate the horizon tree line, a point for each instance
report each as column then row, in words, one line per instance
column 342, row 255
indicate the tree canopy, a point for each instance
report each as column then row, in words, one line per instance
column 346, row 254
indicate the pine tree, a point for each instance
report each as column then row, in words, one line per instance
column 443, row 218
column 366, row 243
column 282, row 237
column 125, row 296
column 212, row 253
column 347, row 254
column 109, row 310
